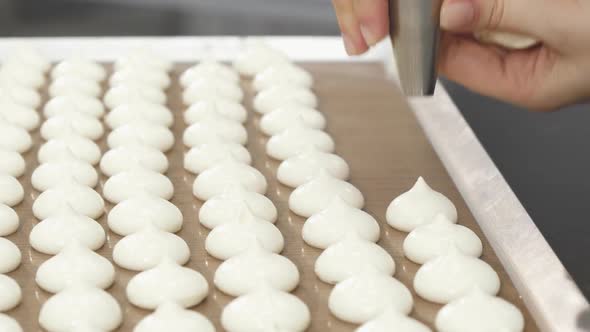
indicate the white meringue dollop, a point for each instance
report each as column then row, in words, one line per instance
column 128, row 184
column 215, row 180
column 142, row 133
column 214, row 130
column 208, row 68
column 9, row 220
column 68, row 197
column 70, row 147
column 74, row 103
column 302, row 167
column 134, row 214
column 274, row 97
column 211, row 107
column 10, row 256
column 11, row 191
column 72, row 124
column 133, row 156
column 75, row 85
column 212, row 88
column 282, row 118
column 19, row 115
column 53, row 234
column 281, row 74
column 14, row 138
column 12, row 163
column 9, row 324
column 11, row 293
column 173, row 317
column 202, row 157
column 139, row 111
column 79, row 67
column 391, row 320
column 51, row 174
column 132, row 92
column 298, row 139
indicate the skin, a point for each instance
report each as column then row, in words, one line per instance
column 553, row 74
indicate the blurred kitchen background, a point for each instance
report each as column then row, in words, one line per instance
column 545, row 157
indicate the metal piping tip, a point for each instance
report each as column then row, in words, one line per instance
column 414, row 31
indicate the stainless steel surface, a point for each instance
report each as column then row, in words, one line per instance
column 414, row 31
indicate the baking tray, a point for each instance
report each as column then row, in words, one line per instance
column 374, row 130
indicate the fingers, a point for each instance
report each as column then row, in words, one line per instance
column 350, row 27
column 373, row 16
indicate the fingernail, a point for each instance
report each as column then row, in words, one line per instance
column 368, row 35
column 457, row 15
column 349, row 45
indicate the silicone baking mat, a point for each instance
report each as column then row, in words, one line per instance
column 375, row 132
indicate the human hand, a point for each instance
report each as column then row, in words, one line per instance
column 553, row 74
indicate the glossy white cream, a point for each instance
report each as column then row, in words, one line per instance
column 214, row 130
column 391, row 320
column 74, row 85
column 52, row 235
column 208, row 155
column 364, row 296
column 133, row 92
column 208, row 68
column 12, row 163
column 255, row 269
column 10, row 256
column 212, row 88
column 134, row 214
column 79, row 67
column 164, row 283
column 282, row 118
column 266, row 310
column 317, row 194
column 51, row 174
column 207, row 108
column 71, row 147
column 225, row 207
column 298, row 139
column 11, row 191
column 14, row 138
column 129, row 184
column 11, row 293
column 351, row 256
column 74, row 103
column 302, row 167
column 24, row 96
column 147, row 248
column 9, row 220
column 81, row 308
column 282, row 74
column 419, row 206
column 454, row 275
column 438, row 238
column 131, row 157
column 143, row 133
column 137, row 75
column 215, row 180
column 22, row 116
column 75, row 264
column 72, row 124
column 275, row 97
column 139, row 111
column 9, row 324
column 68, row 198
column 171, row 316
column 478, row 311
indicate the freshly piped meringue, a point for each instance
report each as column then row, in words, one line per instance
column 14, row 138
column 167, row 282
column 302, row 167
column 134, row 214
column 317, row 194
column 74, row 85
column 242, row 234
column 133, row 156
column 209, row 108
column 365, row 295
column 173, row 317
column 298, row 139
column 331, row 225
column 148, row 248
column 214, row 130
column 418, row 206
column 12, row 163
column 10, row 256
column 454, row 275
column 156, row 136
column 79, row 67
column 478, row 311
column 144, row 59
column 137, row 75
column 53, row 234
column 223, row 208
column 72, row 124
column 11, row 293
column 213, row 181
column 19, row 115
column 74, row 103
column 350, row 256
column 21, row 74
column 26, row 97
column 202, row 157
column 68, row 197
column 282, row 74
column 51, row 174
column 266, row 310
column 75, row 264
column 70, row 147
column 80, row 307
column 11, row 191
column 139, row 111
column 438, row 238
column 212, row 88
column 9, row 220
column 129, row 184
column 253, row 269
column 275, row 97
column 256, row 58
column 282, row 118
column 392, row 320
column 129, row 93
column 208, row 68
column 9, row 324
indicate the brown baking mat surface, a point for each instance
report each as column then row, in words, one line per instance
column 375, row 132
